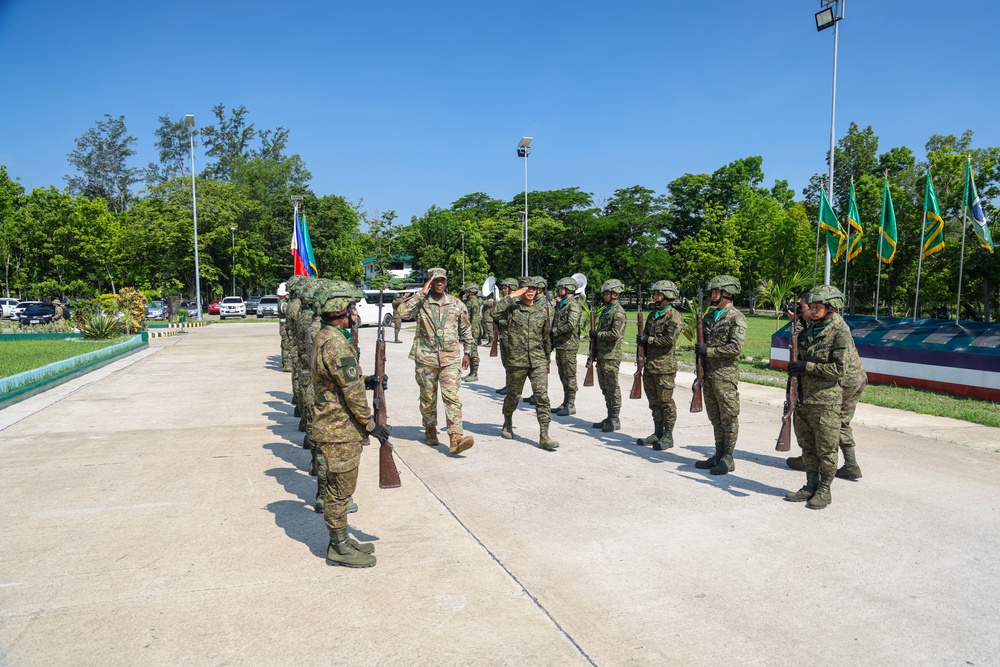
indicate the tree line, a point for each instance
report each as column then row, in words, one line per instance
column 100, row 233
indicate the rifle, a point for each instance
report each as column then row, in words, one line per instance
column 588, row 380
column 697, row 398
column 791, row 393
column 388, row 475
column 640, row 355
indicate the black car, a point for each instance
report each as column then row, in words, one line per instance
column 40, row 313
column 252, row 305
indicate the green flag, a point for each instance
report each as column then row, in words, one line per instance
column 933, row 223
column 854, row 228
column 828, row 221
column 971, row 202
column 887, row 229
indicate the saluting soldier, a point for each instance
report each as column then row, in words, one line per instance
column 659, row 338
column 609, row 334
column 566, row 342
column 441, row 351
column 506, row 286
column 473, row 304
column 725, row 334
column 822, row 367
column 342, row 419
column 528, row 325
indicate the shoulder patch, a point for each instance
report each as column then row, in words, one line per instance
column 349, row 367
column 741, row 332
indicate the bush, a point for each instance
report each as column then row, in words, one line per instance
column 132, row 304
column 100, row 327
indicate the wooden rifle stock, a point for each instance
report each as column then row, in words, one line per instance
column 697, row 395
column 388, row 475
column 784, row 442
column 496, row 337
column 588, row 379
column 640, row 355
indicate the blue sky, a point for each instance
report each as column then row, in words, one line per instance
column 408, row 104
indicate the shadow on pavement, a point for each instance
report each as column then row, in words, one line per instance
column 301, row 523
column 297, row 483
column 273, row 363
column 296, row 456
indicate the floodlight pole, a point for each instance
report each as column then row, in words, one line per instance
column 194, row 209
column 463, row 259
column 524, row 150
column 838, row 15
column 233, row 230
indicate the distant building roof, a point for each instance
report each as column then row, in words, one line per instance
column 394, row 258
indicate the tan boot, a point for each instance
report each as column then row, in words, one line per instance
column 459, row 443
column 431, row 435
column 544, row 441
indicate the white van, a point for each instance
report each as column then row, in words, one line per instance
column 368, row 307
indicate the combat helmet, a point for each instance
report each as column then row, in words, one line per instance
column 471, row 287
column 334, row 296
column 613, row 285
column 509, row 282
column 724, row 283
column 826, row 294
column 307, row 291
column 668, row 288
column 569, row 283
column 535, row 281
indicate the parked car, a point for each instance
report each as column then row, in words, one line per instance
column 232, row 306
column 40, row 313
column 268, row 306
column 190, row 306
column 7, row 306
column 15, row 313
column 252, row 304
column 213, row 307
column 368, row 306
column 154, row 310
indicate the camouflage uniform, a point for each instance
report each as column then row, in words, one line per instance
column 566, row 342
column 397, row 320
column 855, row 381
column 501, row 321
column 287, row 344
column 291, row 317
column 442, row 332
column 610, row 332
column 472, row 305
column 488, row 306
column 59, row 314
column 663, row 328
column 725, row 334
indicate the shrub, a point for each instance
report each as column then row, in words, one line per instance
column 100, row 327
column 132, row 304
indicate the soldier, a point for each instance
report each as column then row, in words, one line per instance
column 488, row 305
column 822, row 366
column 566, row 341
column 506, row 286
column 659, row 337
column 472, row 304
column 725, row 334
column 442, row 331
column 397, row 321
column 58, row 313
column 609, row 334
column 287, row 346
column 342, row 420
column 528, row 325
column 291, row 315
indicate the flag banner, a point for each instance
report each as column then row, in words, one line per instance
column 298, row 249
column 933, row 223
column 971, row 201
column 887, row 229
column 855, row 232
column 309, row 257
column 835, row 237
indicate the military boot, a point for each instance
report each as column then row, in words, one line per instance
column 302, row 424
column 459, row 443
column 544, row 441
column 725, row 464
column 850, row 470
column 711, row 461
column 507, row 432
column 601, row 423
column 352, row 506
column 807, row 491
column 613, row 424
column 363, row 547
column 320, row 495
column 795, row 463
column 530, row 400
column 306, row 444
column 296, row 413
column 652, row 439
column 473, row 375
column 667, row 441
column 556, row 408
column 431, row 435
column 341, row 552
column 569, row 408
column 502, row 391
column 822, row 497
column 312, row 464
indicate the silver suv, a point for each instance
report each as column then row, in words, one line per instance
column 232, row 306
column 268, row 306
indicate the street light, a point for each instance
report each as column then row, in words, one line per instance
column 194, row 210
column 233, row 230
column 524, row 150
column 830, row 14
column 463, row 259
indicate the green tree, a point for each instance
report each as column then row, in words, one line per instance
column 101, row 163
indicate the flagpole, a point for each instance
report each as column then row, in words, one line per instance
column 881, row 235
column 920, row 263
column 816, row 254
column 965, row 220
column 847, row 250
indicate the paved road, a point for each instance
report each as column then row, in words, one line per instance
column 158, row 512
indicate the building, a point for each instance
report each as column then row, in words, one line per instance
column 400, row 266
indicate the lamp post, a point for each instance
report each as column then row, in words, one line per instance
column 830, row 14
column 233, row 230
column 194, row 209
column 524, row 150
column 463, row 259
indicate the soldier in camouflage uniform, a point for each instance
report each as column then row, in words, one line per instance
column 528, row 325
column 609, row 334
column 506, row 286
column 397, row 321
column 442, row 331
column 725, row 334
column 291, row 315
column 566, row 342
column 473, row 304
column 287, row 347
column 822, row 367
column 488, row 305
column 659, row 338
column 342, row 419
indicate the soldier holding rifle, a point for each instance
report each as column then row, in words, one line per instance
column 609, row 334
column 566, row 342
column 725, row 334
column 659, row 337
column 342, row 419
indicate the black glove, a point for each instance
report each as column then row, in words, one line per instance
column 701, row 349
column 796, row 367
column 381, row 433
column 593, row 334
column 370, row 381
column 641, row 339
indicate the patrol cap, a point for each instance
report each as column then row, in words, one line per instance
column 437, row 272
column 613, row 285
column 724, row 283
column 667, row 287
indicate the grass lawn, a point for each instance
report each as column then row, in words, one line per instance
column 18, row 356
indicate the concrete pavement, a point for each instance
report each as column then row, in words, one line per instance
column 159, row 512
